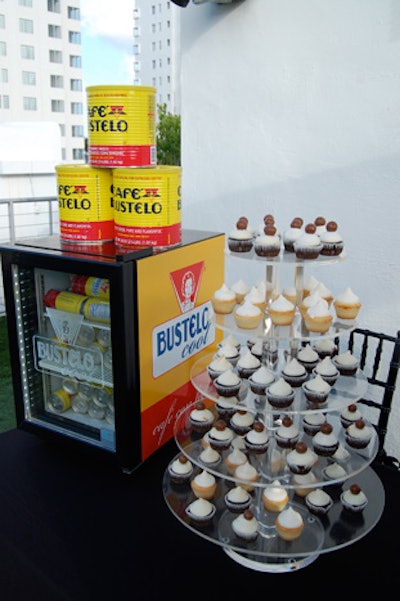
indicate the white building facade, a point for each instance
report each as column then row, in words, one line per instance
column 157, row 50
column 41, row 68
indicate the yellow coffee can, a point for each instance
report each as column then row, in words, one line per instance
column 85, row 203
column 147, row 206
column 121, row 125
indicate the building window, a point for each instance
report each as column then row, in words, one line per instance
column 75, row 61
column 63, row 154
column 3, row 49
column 29, row 103
column 2, row 22
column 54, row 6
column 77, row 108
column 27, row 52
column 76, row 85
column 78, row 154
column 136, row 49
column 153, row 9
column 153, row 64
column 4, row 75
column 74, row 37
column 62, row 129
column 25, row 3
column 4, row 101
column 29, row 78
column 74, row 13
column 26, row 26
column 77, row 131
column 55, row 56
column 56, row 81
column 136, row 66
column 57, row 106
column 54, row 31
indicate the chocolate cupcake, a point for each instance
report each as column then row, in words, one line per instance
column 201, row 512
column 237, row 499
column 325, row 442
column 287, row 434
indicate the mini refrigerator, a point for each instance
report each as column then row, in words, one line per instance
column 102, row 341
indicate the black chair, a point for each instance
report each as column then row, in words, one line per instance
column 379, row 356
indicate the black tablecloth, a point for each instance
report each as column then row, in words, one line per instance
column 73, row 527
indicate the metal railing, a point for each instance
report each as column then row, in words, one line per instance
column 26, row 218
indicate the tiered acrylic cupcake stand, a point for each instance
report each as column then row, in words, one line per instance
column 339, row 527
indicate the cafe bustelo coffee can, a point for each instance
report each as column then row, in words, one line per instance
column 121, row 126
column 85, row 203
column 147, row 206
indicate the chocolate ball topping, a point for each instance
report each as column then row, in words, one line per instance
column 310, row 228
column 301, row 447
column 320, row 221
column 220, row 425
column 326, row 428
column 355, row 489
column 258, row 426
column 270, row 230
column 331, row 226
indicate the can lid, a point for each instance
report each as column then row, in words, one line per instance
column 50, row 297
column 113, row 88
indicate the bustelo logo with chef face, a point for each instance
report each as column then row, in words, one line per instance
column 186, row 283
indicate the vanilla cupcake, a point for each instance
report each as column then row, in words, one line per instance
column 240, row 288
column 241, row 422
column 308, row 357
column 223, row 300
column 358, row 435
column 354, row 499
column 290, row 293
column 228, row 383
column 237, row 499
column 280, row 394
column 327, row 370
column 323, row 292
column 268, row 243
column 256, row 440
column 346, row 363
column 247, row 475
column 281, row 311
column 256, row 297
column 294, row 372
column 245, row 526
column 301, row 459
column 287, row 434
column 204, row 485
column 235, row 458
column 289, row 524
column 260, row 380
column 309, row 285
column 308, row 246
column 248, row 316
column 347, row 305
column 309, row 301
column 332, row 241
column 325, row 442
column 317, row 318
column 218, row 365
column 180, row 470
column 316, row 390
column 349, row 415
column 247, row 364
column 201, row 512
column 275, row 497
column 304, row 483
column 319, row 502
column 220, row 436
column 240, row 239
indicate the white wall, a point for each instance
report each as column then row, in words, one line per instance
column 292, row 108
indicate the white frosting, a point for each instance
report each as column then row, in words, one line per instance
column 224, row 293
column 341, row 454
column 314, row 419
column 236, row 457
column 280, row 388
column 204, row 479
column 310, row 283
column 325, row 439
column 246, row 471
column 317, row 384
column 292, row 234
column 201, row 508
column 230, row 340
column 307, row 354
column 182, row 468
column 263, row 287
column 326, row 367
column 227, row 402
column 351, row 415
column 255, row 296
column 244, row 526
column 248, row 309
column 302, row 459
column 257, row 347
column 322, row 290
column 221, row 435
column 228, row 378
column 306, row 240
column 352, row 499
column 268, row 240
column 364, row 433
column 228, row 350
column 348, row 297
column 319, row 498
column 254, row 437
column 220, row 363
column 201, row 415
column 319, row 309
column 282, row 304
column 290, row 518
column 335, row 471
column 240, row 287
column 275, row 491
column 262, row 375
column 248, row 360
column 237, row 234
column 242, row 419
column 324, row 344
column 310, row 300
column 209, row 455
column 346, row 359
column 287, row 431
column 294, row 368
column 238, row 495
column 301, row 479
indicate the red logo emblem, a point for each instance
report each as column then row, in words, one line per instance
column 186, row 283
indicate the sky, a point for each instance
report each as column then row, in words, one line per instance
column 107, row 40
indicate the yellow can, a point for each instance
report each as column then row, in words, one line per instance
column 121, row 126
column 147, row 206
column 85, row 203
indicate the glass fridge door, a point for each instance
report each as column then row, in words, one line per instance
column 64, row 338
